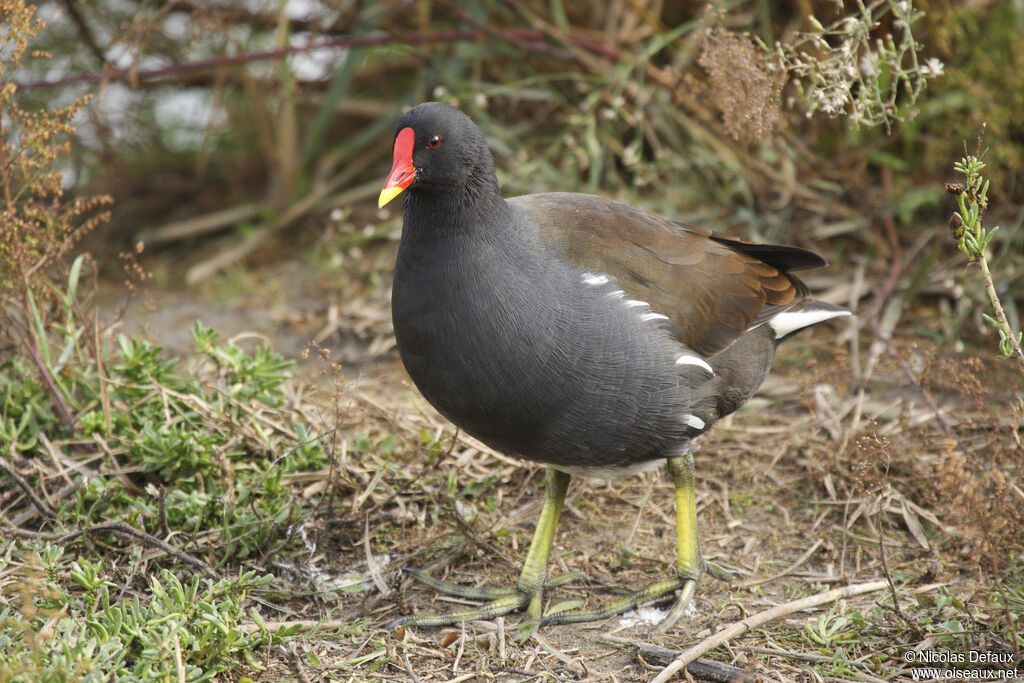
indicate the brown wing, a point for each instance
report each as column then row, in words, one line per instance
column 711, row 286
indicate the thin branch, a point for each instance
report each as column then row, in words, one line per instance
column 702, row 669
column 888, row 572
column 993, row 297
column 121, row 530
column 84, row 32
column 408, row 668
column 27, row 488
column 31, row 513
column 521, row 37
column 741, row 627
column 132, row 532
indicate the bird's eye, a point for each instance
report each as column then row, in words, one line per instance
column 434, row 142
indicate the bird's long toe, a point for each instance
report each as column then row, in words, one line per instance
column 632, row 600
column 490, row 610
column 499, row 601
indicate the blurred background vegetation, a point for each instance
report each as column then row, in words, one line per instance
column 197, row 144
column 216, row 127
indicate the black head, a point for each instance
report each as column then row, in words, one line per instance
column 439, row 152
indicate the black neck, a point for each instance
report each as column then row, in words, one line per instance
column 475, row 207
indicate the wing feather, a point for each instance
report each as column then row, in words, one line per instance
column 712, row 287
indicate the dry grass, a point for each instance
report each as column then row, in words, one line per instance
column 741, row 86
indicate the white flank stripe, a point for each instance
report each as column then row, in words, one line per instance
column 617, row 294
column 693, row 421
column 653, row 316
column 687, row 359
column 790, row 321
column 633, row 303
column 594, row 279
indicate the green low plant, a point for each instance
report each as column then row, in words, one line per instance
column 846, row 69
column 74, row 626
column 972, row 238
column 109, row 443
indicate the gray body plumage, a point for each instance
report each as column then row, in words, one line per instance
column 509, row 340
column 572, row 330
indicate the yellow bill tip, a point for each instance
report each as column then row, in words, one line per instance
column 387, row 194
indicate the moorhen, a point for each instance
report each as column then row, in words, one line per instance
column 577, row 332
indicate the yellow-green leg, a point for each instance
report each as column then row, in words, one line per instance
column 689, row 565
column 534, row 576
column 529, row 591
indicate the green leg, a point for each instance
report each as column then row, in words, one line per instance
column 689, row 565
column 529, row 592
column 535, row 569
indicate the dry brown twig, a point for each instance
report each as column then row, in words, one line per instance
column 123, row 530
column 527, row 38
column 737, row 629
column 700, row 668
column 27, row 489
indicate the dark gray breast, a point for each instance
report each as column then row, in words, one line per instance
column 534, row 355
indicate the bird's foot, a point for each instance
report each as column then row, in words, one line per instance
column 721, row 572
column 498, row 601
column 684, row 584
